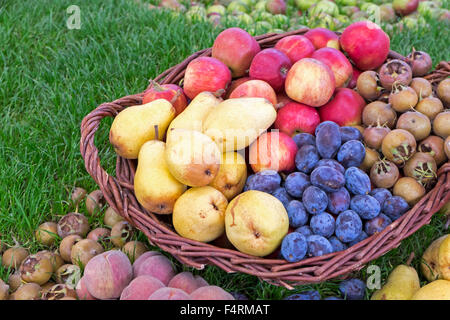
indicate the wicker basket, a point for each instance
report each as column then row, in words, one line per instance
column 118, row 192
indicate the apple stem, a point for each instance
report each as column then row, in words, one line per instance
column 156, row 85
column 156, row 132
column 175, row 97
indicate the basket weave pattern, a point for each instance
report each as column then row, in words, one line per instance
column 118, row 192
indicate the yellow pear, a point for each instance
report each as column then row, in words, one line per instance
column 199, row 214
column 136, row 125
column 230, row 179
column 235, row 123
column 402, row 284
column 155, row 188
column 192, row 157
column 436, row 290
column 195, row 113
column 436, row 259
column 256, row 222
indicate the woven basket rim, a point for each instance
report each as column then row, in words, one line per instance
column 118, row 192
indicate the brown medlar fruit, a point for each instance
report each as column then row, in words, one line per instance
column 95, row 202
column 434, row 146
column 47, row 233
column 84, row 250
column 69, row 274
column 121, row 233
column 13, row 257
column 384, row 174
column 418, row 124
column 399, row 146
column 65, row 247
column 36, row 268
column 73, row 223
column 395, row 71
column 58, row 292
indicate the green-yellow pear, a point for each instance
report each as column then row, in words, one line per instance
column 155, row 188
column 199, row 214
column 136, row 125
column 402, row 284
column 436, row 290
column 230, row 179
column 192, row 157
column 235, row 123
column 195, row 113
column 436, row 259
column 256, row 222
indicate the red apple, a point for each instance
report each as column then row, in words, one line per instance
column 366, row 44
column 321, row 38
column 236, row 48
column 282, row 99
column 311, row 82
column 276, row 6
column 257, row 89
column 338, row 63
column 295, row 47
column 234, row 84
column 345, row 108
column 272, row 66
column 273, row 151
column 205, row 74
column 170, row 92
column 405, row 7
column 355, row 74
column 296, row 118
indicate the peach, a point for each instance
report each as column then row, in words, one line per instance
column 337, row 62
column 138, row 262
column 255, row 89
column 141, row 288
column 236, row 48
column 321, row 38
column 157, row 266
column 366, row 44
column 205, row 74
column 82, row 291
column 211, row 293
column 107, row 274
column 311, row 82
column 296, row 47
column 169, row 294
column 186, row 282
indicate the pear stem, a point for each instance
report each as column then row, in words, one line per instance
column 410, row 259
column 156, row 132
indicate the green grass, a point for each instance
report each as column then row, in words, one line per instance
column 52, row 77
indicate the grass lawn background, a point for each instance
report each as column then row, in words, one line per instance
column 51, row 77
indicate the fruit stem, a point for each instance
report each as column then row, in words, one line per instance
column 410, row 259
column 219, row 93
column 156, row 132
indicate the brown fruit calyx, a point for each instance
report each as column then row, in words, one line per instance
column 402, row 153
column 59, row 291
column 395, row 71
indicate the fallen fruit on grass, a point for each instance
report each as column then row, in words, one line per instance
column 141, row 288
column 296, row 47
column 436, row 259
column 211, row 293
column 58, row 292
column 84, row 250
column 46, row 233
column 4, row 290
column 77, row 195
column 273, row 151
column 27, row 291
column 65, row 247
column 121, row 233
column 159, row 193
column 195, row 113
column 272, row 66
column 205, row 74
column 157, row 266
column 170, row 92
column 55, row 259
column 256, row 222
column 111, row 217
column 68, row 274
column 192, row 157
column 136, row 125
column 321, row 38
column 441, row 124
column 255, row 89
column 73, row 223
column 399, row 146
column 405, row 7
column 409, row 189
column 199, row 214
column 36, row 268
column 235, row 123
column 366, row 44
column 14, row 281
column 230, row 179
column 13, row 257
column 82, row 292
column 436, row 290
column 345, row 108
column 186, row 282
column 395, row 71
column 236, row 48
column 402, row 283
column 134, row 249
column 101, row 235
column 107, row 274
column 169, row 294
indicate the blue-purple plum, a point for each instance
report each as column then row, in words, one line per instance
column 351, row 154
column 394, row 207
column 305, row 295
column 337, row 244
column 350, row 133
column 266, row 181
column 302, row 139
column 331, row 163
column 305, row 230
column 362, row 236
column 348, row 226
column 322, row 224
column 296, row 183
column 282, row 195
column 381, row 194
column 328, row 139
column 315, row 200
column 298, row 216
column 377, row 224
column 306, row 158
column 357, row 181
column 366, row 206
column 318, row 246
column 327, row 178
column 352, row 289
column 338, row 201
column 294, row 247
